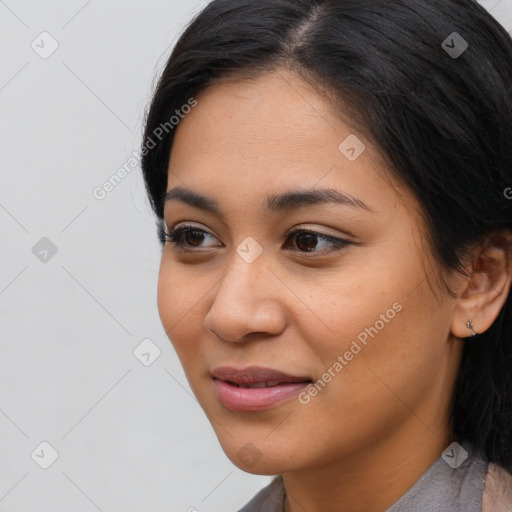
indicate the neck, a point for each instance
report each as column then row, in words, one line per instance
column 369, row 479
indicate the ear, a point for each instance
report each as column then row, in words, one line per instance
column 488, row 286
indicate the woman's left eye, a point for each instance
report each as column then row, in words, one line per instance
column 306, row 240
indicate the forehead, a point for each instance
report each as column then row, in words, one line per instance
column 277, row 112
column 260, row 136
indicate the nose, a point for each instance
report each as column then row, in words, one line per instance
column 247, row 301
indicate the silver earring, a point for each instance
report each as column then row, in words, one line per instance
column 469, row 325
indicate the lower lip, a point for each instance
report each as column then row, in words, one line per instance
column 255, row 399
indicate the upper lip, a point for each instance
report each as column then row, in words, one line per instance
column 254, row 374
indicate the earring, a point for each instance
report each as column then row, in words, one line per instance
column 469, row 325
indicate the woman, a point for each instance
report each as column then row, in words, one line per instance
column 336, row 223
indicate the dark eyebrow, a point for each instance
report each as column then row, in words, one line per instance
column 278, row 203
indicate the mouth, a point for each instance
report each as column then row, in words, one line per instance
column 271, row 384
column 255, row 388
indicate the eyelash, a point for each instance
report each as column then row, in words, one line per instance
column 174, row 237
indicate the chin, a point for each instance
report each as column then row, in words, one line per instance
column 263, row 459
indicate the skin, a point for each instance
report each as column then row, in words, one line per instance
column 374, row 429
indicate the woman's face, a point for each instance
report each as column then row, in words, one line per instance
column 357, row 316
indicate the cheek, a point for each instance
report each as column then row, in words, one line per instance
column 179, row 301
column 389, row 363
column 389, row 336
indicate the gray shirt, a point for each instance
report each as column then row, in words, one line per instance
column 440, row 488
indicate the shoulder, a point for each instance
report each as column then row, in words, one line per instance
column 497, row 496
column 269, row 499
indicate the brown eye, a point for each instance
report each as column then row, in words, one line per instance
column 193, row 237
column 187, row 237
column 307, row 241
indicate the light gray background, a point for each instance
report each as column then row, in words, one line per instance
column 129, row 437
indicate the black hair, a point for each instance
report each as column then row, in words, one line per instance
column 439, row 112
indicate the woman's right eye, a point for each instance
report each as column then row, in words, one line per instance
column 186, row 236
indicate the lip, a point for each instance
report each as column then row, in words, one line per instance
column 244, row 399
column 254, row 374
